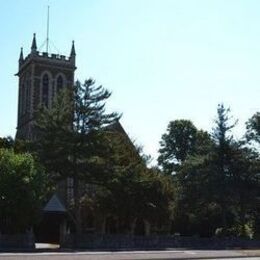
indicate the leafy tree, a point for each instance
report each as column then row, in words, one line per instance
column 182, row 139
column 253, row 128
column 176, row 144
column 136, row 194
column 7, row 142
column 253, row 134
column 185, row 150
column 244, row 183
column 70, row 139
column 19, row 146
column 204, row 143
column 22, row 190
column 196, row 211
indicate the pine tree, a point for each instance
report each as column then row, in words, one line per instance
column 70, row 140
column 222, row 158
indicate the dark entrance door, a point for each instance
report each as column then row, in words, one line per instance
column 139, row 227
column 48, row 231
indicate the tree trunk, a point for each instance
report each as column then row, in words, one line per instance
column 242, row 215
column 77, row 209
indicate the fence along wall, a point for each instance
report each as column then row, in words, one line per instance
column 20, row 241
column 92, row 241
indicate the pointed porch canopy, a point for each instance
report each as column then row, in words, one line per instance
column 54, row 205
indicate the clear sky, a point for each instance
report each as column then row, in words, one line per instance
column 162, row 59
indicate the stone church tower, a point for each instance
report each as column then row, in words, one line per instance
column 41, row 76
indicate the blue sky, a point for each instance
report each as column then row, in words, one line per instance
column 162, row 59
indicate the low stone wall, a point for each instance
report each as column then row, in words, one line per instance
column 19, row 241
column 90, row 241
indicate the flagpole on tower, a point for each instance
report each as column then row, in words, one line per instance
column 48, row 21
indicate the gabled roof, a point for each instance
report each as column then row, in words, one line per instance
column 54, row 205
column 117, row 127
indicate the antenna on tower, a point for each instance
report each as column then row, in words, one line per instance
column 48, row 21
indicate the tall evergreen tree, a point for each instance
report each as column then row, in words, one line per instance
column 69, row 136
column 224, row 141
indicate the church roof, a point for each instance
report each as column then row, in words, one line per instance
column 117, row 127
column 54, row 205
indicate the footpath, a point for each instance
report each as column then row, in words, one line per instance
column 140, row 254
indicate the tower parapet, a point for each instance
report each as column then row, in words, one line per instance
column 47, row 57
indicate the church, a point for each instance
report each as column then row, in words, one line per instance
column 41, row 76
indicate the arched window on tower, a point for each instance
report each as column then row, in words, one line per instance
column 28, row 97
column 45, row 90
column 22, row 104
column 59, row 83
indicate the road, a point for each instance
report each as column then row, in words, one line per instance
column 168, row 254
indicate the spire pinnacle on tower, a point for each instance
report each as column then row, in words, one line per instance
column 34, row 45
column 21, row 59
column 73, row 52
column 21, row 54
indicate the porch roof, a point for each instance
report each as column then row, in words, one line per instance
column 54, row 205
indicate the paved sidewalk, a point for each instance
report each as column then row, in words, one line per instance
column 127, row 255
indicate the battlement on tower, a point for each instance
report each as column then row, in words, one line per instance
column 45, row 57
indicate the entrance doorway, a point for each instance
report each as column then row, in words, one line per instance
column 48, row 231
